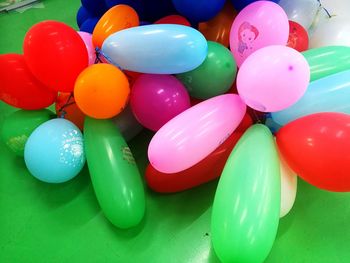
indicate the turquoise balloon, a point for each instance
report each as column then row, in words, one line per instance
column 246, row 207
column 159, row 49
column 329, row 94
column 54, row 152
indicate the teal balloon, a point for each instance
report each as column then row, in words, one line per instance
column 246, row 207
column 54, row 152
column 159, row 49
column 114, row 174
column 329, row 94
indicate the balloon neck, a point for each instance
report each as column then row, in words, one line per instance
column 322, row 7
column 61, row 112
column 100, row 54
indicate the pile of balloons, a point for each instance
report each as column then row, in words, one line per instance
column 198, row 74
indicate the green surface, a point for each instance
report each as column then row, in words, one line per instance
column 63, row 223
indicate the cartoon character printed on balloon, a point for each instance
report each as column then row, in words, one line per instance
column 72, row 146
column 247, row 34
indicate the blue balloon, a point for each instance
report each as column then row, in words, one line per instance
column 159, row 49
column 200, row 10
column 155, row 9
column 89, row 25
column 136, row 4
column 95, row 7
column 240, row 4
column 82, row 15
column 54, row 152
column 329, row 94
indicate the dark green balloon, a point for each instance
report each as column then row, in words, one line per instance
column 214, row 76
column 114, row 174
column 325, row 61
column 18, row 126
column 246, row 207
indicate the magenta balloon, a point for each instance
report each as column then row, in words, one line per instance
column 195, row 133
column 87, row 38
column 258, row 25
column 156, row 99
column 273, row 78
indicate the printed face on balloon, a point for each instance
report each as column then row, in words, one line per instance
column 247, row 34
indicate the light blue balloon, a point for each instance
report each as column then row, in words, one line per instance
column 159, row 49
column 54, row 152
column 329, row 94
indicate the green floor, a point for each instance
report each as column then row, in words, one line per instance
column 63, row 223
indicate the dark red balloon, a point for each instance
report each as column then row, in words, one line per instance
column 173, row 19
column 55, row 54
column 317, row 148
column 18, row 86
column 204, row 171
column 298, row 37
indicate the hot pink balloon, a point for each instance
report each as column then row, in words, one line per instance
column 273, row 78
column 195, row 133
column 156, row 99
column 258, row 25
column 87, row 38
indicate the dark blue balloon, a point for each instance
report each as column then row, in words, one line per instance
column 89, row 25
column 82, row 15
column 156, row 9
column 136, row 4
column 199, row 10
column 95, row 7
column 240, row 4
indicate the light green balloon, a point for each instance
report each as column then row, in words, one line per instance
column 114, row 174
column 325, row 61
column 246, row 207
column 18, row 126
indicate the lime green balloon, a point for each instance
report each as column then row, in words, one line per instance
column 214, row 76
column 246, row 207
column 18, row 126
column 325, row 61
column 114, row 174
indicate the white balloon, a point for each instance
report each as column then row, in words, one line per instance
column 127, row 124
column 333, row 32
column 288, row 187
column 300, row 11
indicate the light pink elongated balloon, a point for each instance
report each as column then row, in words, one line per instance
column 260, row 24
column 195, row 133
column 87, row 38
column 273, row 78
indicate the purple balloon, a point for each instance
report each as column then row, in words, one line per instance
column 156, row 99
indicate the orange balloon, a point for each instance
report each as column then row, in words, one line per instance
column 101, row 91
column 68, row 109
column 115, row 19
column 218, row 28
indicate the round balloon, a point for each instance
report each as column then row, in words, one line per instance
column 19, row 88
column 260, row 24
column 273, row 78
column 18, row 126
column 240, row 4
column 156, row 99
column 89, row 25
column 54, row 152
column 219, row 65
column 101, row 91
column 55, row 54
column 173, row 19
column 82, row 15
column 115, row 19
column 298, row 37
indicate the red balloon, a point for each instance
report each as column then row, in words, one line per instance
column 18, row 86
column 68, row 109
column 173, row 19
column 203, row 172
column 298, row 37
column 55, row 54
column 317, row 148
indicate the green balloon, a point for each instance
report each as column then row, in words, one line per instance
column 114, row 173
column 246, row 207
column 18, row 126
column 325, row 61
column 214, row 76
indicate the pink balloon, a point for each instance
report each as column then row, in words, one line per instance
column 87, row 38
column 273, row 78
column 195, row 133
column 258, row 25
column 156, row 99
